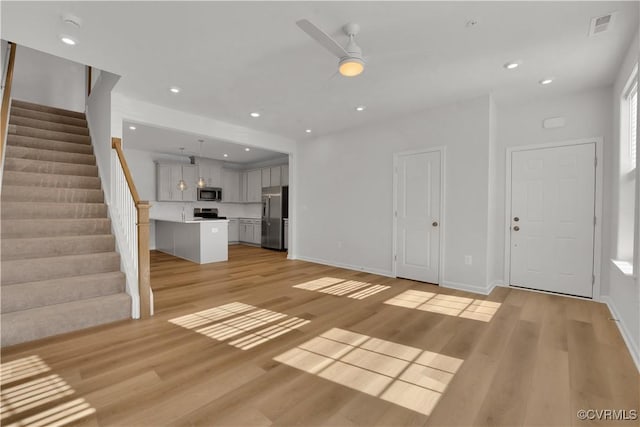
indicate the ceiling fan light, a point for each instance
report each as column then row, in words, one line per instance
column 351, row 67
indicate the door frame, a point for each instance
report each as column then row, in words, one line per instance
column 597, row 231
column 443, row 151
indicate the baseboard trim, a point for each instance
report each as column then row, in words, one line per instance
column 468, row 288
column 626, row 336
column 346, row 266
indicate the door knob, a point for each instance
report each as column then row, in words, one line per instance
column 516, row 228
column 435, row 223
column 516, row 219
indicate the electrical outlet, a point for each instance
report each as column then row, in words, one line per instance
column 468, row 260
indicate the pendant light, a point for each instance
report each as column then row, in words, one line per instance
column 182, row 184
column 201, row 182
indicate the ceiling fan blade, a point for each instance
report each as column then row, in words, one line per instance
column 321, row 37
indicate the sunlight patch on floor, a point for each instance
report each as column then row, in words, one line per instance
column 25, row 389
column 340, row 287
column 400, row 374
column 449, row 305
column 238, row 319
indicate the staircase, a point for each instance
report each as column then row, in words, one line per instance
column 60, row 271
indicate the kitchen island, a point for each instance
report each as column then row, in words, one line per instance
column 199, row 240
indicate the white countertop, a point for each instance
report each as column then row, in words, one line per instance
column 187, row 220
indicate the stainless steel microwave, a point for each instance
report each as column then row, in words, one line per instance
column 210, row 194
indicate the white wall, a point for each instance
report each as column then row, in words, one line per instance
column 623, row 291
column 48, row 80
column 99, row 119
column 143, row 169
column 345, row 200
column 587, row 114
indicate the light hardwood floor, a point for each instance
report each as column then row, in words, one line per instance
column 535, row 361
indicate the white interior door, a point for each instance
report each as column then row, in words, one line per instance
column 552, row 219
column 418, row 216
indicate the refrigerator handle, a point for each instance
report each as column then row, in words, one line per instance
column 269, row 211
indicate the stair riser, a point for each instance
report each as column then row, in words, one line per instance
column 18, row 210
column 26, row 296
column 48, row 144
column 54, row 268
column 49, row 155
column 49, row 134
column 50, row 180
column 40, row 124
column 39, row 166
column 15, row 249
column 45, row 109
column 47, row 117
column 25, row 228
column 34, row 324
column 12, row 193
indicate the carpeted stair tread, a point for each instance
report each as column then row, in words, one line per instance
column 33, row 179
column 25, row 296
column 36, row 323
column 47, row 125
column 43, row 166
column 31, row 210
column 35, row 269
column 46, row 109
column 49, row 134
column 48, row 144
column 14, row 151
column 47, row 117
column 18, row 193
column 55, row 246
column 25, row 228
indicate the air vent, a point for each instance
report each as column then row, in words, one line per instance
column 600, row 24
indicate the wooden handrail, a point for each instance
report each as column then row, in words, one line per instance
column 6, row 98
column 142, row 207
column 89, row 80
column 116, row 144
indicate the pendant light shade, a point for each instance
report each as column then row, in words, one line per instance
column 182, row 184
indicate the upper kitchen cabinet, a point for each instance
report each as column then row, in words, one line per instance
column 168, row 177
column 212, row 174
column 254, row 186
column 275, row 172
column 266, row 177
column 284, row 174
column 231, row 186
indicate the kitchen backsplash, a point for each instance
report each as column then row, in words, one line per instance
column 230, row 210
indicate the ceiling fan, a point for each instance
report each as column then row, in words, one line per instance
column 350, row 62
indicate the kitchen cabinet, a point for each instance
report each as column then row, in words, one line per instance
column 250, row 231
column 284, row 175
column 266, row 177
column 212, row 174
column 254, row 186
column 167, row 177
column 276, row 179
column 234, row 231
column 231, row 186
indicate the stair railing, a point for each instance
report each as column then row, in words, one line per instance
column 131, row 215
column 6, row 101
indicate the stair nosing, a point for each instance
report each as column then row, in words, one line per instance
column 18, row 112
column 112, row 273
column 54, row 162
column 23, row 147
column 15, row 135
column 63, row 112
column 62, row 134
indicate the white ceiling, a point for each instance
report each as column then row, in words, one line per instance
column 169, row 141
column 231, row 58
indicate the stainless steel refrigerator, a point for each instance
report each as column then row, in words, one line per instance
column 274, row 209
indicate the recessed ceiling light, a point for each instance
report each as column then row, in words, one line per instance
column 308, row 130
column 545, row 81
column 471, row 23
column 68, row 40
column 255, row 114
column 511, row 65
column 247, row 149
column 174, row 89
column 226, row 155
column 360, row 108
column 132, row 127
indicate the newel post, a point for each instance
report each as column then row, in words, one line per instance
column 144, row 276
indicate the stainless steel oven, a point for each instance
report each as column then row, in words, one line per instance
column 210, row 194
